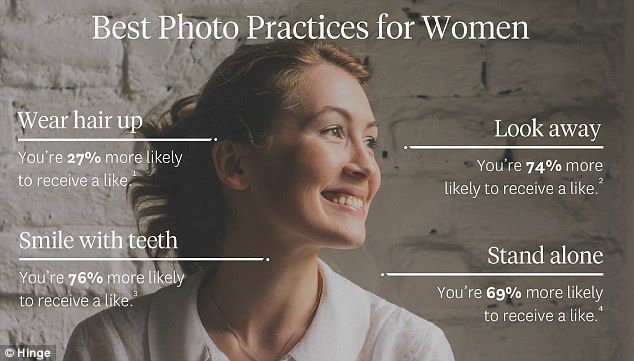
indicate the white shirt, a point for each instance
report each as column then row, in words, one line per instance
column 350, row 324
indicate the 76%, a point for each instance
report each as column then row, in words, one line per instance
column 85, row 277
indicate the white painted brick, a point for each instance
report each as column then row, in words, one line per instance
column 5, row 7
column 538, row 14
column 160, row 66
column 420, row 70
column 547, row 68
column 55, row 9
column 543, row 342
column 9, row 134
column 59, row 54
column 215, row 8
column 431, row 216
column 43, row 206
column 39, row 326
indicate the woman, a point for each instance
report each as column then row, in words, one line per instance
column 292, row 172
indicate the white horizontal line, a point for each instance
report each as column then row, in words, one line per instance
column 492, row 274
column 188, row 259
column 503, row 147
column 117, row 139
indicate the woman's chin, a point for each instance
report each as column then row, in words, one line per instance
column 347, row 241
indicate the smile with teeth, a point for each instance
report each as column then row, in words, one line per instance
column 344, row 199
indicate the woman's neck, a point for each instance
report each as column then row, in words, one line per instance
column 265, row 303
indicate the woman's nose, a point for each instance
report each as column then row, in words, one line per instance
column 361, row 163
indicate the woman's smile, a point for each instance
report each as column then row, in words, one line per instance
column 345, row 201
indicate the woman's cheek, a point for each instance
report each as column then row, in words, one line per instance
column 376, row 179
column 320, row 159
column 374, row 183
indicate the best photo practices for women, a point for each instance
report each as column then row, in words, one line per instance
column 277, row 180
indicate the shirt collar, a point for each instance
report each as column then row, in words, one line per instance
column 337, row 332
column 341, row 323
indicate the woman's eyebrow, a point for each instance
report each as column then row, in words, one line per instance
column 326, row 109
column 330, row 108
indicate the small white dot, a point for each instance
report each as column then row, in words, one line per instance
column 267, row 259
column 404, row 147
column 215, row 139
column 382, row 274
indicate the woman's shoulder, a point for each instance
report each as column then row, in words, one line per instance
column 130, row 318
column 393, row 333
column 396, row 333
column 124, row 333
column 112, row 334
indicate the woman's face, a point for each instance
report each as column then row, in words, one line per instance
column 317, row 175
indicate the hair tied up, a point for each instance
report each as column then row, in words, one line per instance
column 236, row 103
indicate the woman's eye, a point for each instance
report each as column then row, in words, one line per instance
column 372, row 142
column 335, row 131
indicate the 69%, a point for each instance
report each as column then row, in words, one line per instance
column 492, row 292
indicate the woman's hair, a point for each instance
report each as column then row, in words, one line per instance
column 237, row 103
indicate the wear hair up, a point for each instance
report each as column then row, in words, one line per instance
column 236, row 103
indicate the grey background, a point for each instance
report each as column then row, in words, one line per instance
column 424, row 92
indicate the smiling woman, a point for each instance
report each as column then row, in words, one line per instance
column 293, row 172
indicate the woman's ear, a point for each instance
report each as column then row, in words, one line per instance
column 228, row 158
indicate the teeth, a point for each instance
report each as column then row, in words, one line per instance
column 348, row 201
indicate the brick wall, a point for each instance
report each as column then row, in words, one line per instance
column 424, row 92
